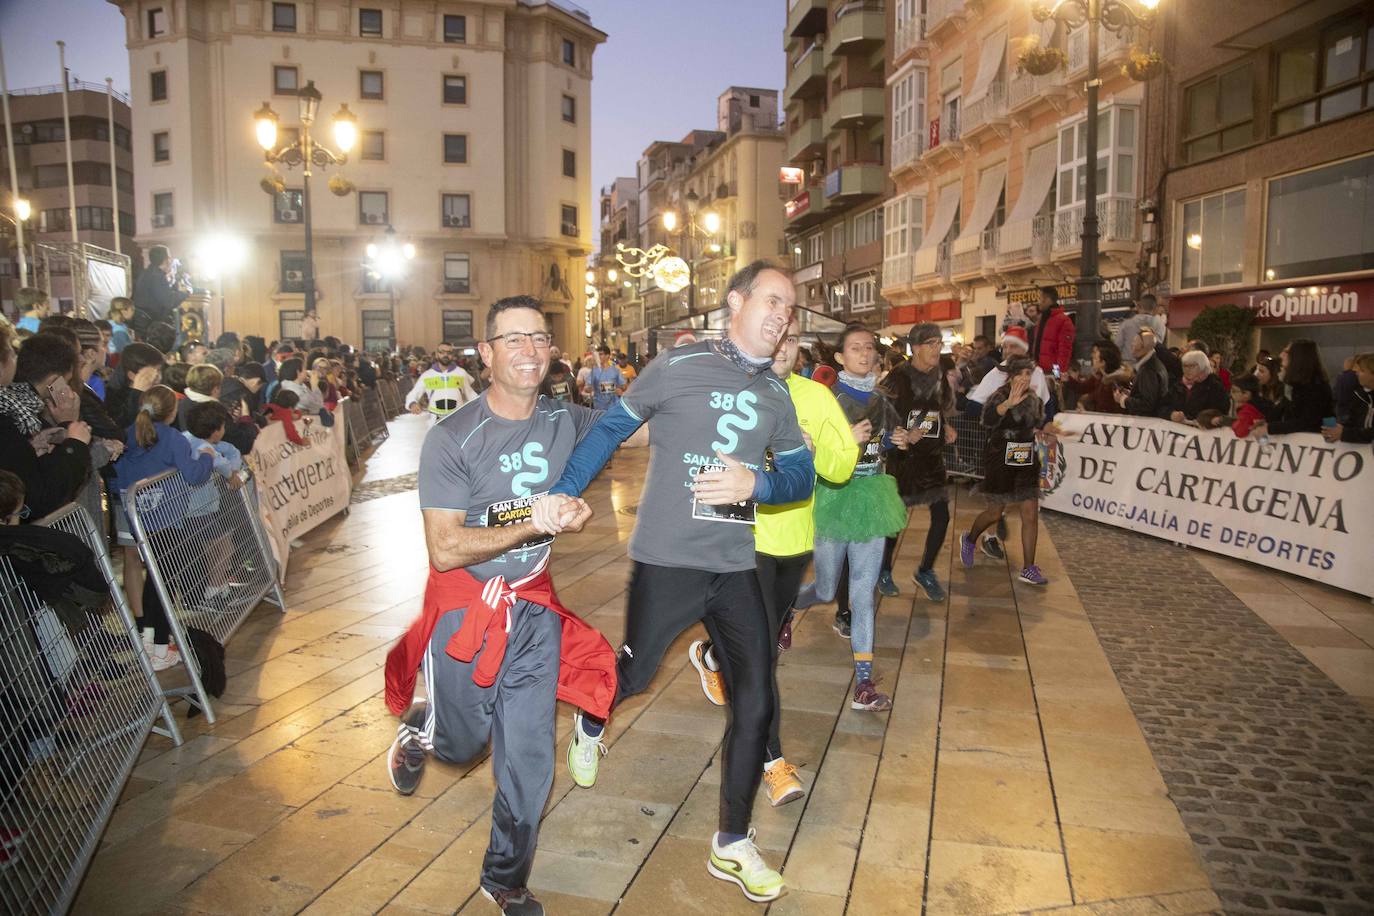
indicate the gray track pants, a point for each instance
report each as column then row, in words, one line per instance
column 517, row 714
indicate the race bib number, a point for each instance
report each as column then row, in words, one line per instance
column 741, row 513
column 871, row 457
column 514, row 512
column 1020, row 454
column 443, row 406
column 606, row 387
column 559, row 391
column 924, row 424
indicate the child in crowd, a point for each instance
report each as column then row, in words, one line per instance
column 1011, row 416
column 205, row 425
column 1251, row 406
column 152, row 447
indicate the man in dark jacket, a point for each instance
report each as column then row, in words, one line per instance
column 1148, row 396
column 1355, row 410
column 1202, row 389
column 153, row 292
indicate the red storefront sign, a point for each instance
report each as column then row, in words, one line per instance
column 1314, row 303
column 797, row 205
column 902, row 314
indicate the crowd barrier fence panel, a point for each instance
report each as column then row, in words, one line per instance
column 376, row 418
column 209, row 559
column 391, row 398
column 78, row 698
column 964, row 457
column 357, row 437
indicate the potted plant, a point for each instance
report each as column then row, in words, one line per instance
column 1038, row 60
column 1143, row 65
column 1225, row 328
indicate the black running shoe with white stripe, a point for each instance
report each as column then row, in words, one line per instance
column 406, row 761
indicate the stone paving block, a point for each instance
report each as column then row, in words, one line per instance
column 1011, row 734
column 581, row 876
column 804, row 903
column 822, row 858
column 839, row 796
column 965, row 878
column 615, row 830
column 437, row 891
column 229, row 891
column 896, row 836
column 1108, row 864
column 988, row 688
column 995, row 806
column 881, row 890
column 675, row 880
column 290, row 777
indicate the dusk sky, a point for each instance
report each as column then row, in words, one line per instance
column 656, row 77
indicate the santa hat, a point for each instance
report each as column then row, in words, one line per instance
column 683, row 338
column 825, row 375
column 1016, row 335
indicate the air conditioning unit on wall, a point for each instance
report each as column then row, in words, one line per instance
column 374, row 219
column 294, row 276
column 289, row 216
column 161, row 220
column 457, row 222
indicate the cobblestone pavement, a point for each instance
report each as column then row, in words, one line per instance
column 1269, row 762
column 375, row 489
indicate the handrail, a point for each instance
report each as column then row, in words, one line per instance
column 74, row 86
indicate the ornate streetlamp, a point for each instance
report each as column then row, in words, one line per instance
column 1115, row 16
column 689, row 231
column 308, row 154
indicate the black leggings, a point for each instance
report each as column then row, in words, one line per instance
column 663, row 601
column 779, row 579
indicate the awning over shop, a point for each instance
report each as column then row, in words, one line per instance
column 1039, row 176
column 989, row 63
column 946, row 207
column 990, row 185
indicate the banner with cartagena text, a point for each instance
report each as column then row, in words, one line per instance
column 299, row 485
column 1295, row 503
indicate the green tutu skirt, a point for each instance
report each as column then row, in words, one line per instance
column 860, row 510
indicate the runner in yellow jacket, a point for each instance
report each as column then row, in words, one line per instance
column 783, row 538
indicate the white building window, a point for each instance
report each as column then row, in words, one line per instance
column 1116, row 157
column 908, row 115
column 837, row 240
column 868, row 227
column 457, row 272
column 1212, row 245
column 1321, row 222
column 813, row 248
column 894, row 231
column 951, row 89
column 863, row 294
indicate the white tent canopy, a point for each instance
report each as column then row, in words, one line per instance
column 946, row 208
column 1038, row 177
column 990, row 185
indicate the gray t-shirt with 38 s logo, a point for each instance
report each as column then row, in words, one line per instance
column 492, row 469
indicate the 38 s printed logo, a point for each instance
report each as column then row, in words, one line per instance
column 527, row 466
column 738, row 415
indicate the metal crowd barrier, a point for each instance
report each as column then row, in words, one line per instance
column 209, row 559
column 391, row 397
column 78, row 698
column 373, row 413
column 964, row 458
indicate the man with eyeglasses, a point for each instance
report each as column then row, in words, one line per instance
column 495, row 645
column 714, row 411
column 443, row 387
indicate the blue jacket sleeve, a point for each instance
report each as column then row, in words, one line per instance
column 596, row 448
column 792, row 480
column 196, row 467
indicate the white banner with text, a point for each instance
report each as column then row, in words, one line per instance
column 299, row 485
column 1294, row 503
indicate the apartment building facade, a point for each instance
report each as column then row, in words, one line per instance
column 1266, row 168
column 730, row 172
column 474, row 145
column 989, row 164
column 837, row 149
column 619, row 310
column 40, row 153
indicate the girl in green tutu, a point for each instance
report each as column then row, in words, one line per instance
column 854, row 518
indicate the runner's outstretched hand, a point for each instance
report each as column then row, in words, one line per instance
column 548, row 511
column 574, row 515
column 720, row 488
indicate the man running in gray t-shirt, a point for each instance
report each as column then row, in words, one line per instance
column 716, row 413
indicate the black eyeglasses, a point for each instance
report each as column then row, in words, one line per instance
column 515, row 340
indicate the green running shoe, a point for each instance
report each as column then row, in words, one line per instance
column 741, row 863
column 584, row 754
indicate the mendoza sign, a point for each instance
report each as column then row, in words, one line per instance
column 1294, row 503
column 299, row 486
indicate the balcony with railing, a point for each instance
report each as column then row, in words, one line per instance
column 807, row 139
column 908, row 35
column 942, row 138
column 852, row 183
column 805, row 17
column 807, row 76
column 944, row 16
column 1117, row 226
column 897, row 272
column 1111, row 48
column 859, row 107
column 964, row 264
column 992, row 238
column 860, row 26
column 931, row 267
column 985, row 113
column 907, row 151
column 1026, row 242
column 1025, row 90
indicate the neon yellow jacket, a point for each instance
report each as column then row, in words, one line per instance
column 787, row 530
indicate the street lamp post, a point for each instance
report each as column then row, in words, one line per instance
column 1116, row 16
column 307, row 153
column 691, row 230
column 22, row 212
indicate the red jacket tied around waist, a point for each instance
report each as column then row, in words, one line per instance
column 586, row 672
